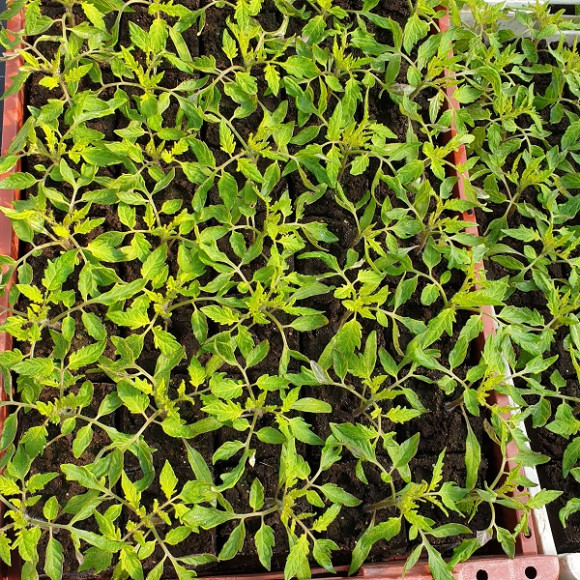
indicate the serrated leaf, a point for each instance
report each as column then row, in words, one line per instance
column 264, row 540
column 53, row 562
column 9, row 428
column 258, row 354
column 273, row 78
column 50, row 508
column 472, row 458
column 310, row 405
column 415, row 30
column 437, row 565
column 168, row 480
column 34, row 367
column 383, row 531
column 86, row 356
column 227, row 141
column 543, row 497
column 256, row 495
column 153, row 265
column 297, row 561
column 234, row 543
column 321, row 551
column 82, row 440
column 338, row 495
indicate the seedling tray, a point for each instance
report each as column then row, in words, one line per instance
column 530, row 561
column 540, row 537
column 12, row 115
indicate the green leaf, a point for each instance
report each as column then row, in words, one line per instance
column 338, row 495
column 565, row 422
column 256, row 495
column 356, row 438
column 58, row 271
column 264, row 540
column 157, row 572
column 400, row 414
column 157, row 35
column 258, row 354
column 51, row 508
column 228, row 189
column 301, row 67
column 34, row 367
column 297, row 561
column 227, row 450
column 415, row 30
column 321, row 552
column 437, row 565
column 346, row 340
column 94, row 15
column 9, row 429
column 272, row 78
column 383, row 531
column 530, row 458
column 134, row 399
column 198, row 464
column 8, row 486
column 130, row 563
column 227, row 141
column 571, row 137
column 154, row 266
column 53, row 562
column 543, row 497
column 472, row 458
column 121, row 292
column 447, row 530
column 571, row 507
column 322, row 523
column 167, row 480
column 177, row 535
column 94, row 326
column 310, row 405
column 234, row 543
column 270, row 435
column 570, row 457
column 402, row 454
column 27, row 543
column 82, row 440
column 507, row 541
column 470, row 331
column 5, row 552
column 310, row 322
column 130, row 490
column 429, row 294
column 87, row 355
column 208, row 518
column 523, row 234
column 18, row 181
column 229, row 45
column 464, row 551
column 221, row 314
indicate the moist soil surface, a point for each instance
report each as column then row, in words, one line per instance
column 442, row 427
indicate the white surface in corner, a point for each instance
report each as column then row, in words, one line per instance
column 519, row 29
column 569, row 566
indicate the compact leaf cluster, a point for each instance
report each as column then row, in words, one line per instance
column 245, row 283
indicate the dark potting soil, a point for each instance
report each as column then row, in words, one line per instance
column 442, row 427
